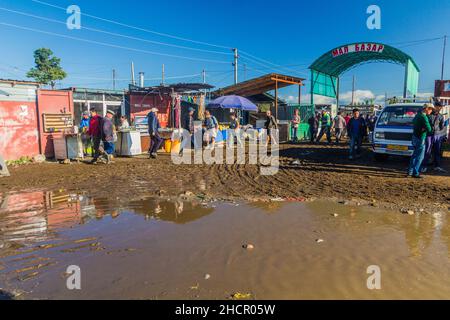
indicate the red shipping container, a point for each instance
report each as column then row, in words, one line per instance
column 52, row 102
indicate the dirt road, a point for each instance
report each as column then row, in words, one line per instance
column 319, row 172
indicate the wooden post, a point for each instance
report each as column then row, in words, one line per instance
column 276, row 99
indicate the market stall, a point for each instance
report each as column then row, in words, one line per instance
column 168, row 99
column 67, row 142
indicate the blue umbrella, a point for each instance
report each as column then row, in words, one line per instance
column 233, row 102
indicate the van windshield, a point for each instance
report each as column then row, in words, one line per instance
column 398, row 116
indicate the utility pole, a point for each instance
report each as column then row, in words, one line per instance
column 204, row 79
column 443, row 58
column 235, row 64
column 353, row 91
column 163, row 74
column 114, row 79
column 133, row 80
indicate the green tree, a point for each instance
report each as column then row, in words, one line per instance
column 48, row 69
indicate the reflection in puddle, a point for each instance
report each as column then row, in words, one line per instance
column 36, row 216
column 161, row 248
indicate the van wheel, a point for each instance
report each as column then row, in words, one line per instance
column 379, row 157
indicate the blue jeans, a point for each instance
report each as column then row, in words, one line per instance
column 417, row 157
column 429, row 141
column 294, row 132
column 109, row 147
column 437, row 145
column 355, row 143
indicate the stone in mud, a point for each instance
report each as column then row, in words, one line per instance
column 39, row 158
column 207, row 276
column 320, row 240
column 410, row 212
column 248, row 246
column 335, row 215
column 344, row 202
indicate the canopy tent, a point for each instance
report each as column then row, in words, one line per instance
column 233, row 102
column 263, row 84
column 326, row 70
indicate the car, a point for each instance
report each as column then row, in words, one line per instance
column 394, row 129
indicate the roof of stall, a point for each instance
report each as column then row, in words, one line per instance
column 98, row 91
column 178, row 88
column 260, row 85
column 26, row 82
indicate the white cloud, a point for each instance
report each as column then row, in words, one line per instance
column 346, row 97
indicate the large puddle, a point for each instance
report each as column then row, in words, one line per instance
column 177, row 249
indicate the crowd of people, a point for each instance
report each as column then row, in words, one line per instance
column 99, row 133
column 355, row 127
column 428, row 136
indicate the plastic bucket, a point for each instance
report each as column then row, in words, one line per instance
column 176, row 146
column 168, row 146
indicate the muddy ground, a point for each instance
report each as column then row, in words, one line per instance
column 320, row 172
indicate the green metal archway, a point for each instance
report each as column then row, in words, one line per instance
column 326, row 70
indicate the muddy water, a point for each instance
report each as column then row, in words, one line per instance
column 177, row 249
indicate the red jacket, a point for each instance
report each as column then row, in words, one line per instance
column 94, row 126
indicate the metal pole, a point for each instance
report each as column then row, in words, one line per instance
column 337, row 92
column 300, row 94
column 405, row 87
column 443, row 58
column 204, row 79
column 235, row 64
column 133, row 80
column 114, row 79
column 353, row 91
column 163, row 74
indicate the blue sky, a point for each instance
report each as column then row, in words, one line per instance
column 290, row 34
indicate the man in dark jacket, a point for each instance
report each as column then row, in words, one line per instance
column 95, row 133
column 108, row 136
column 422, row 128
column 313, row 127
column 188, row 125
column 271, row 126
column 439, row 136
column 153, row 130
column 356, row 129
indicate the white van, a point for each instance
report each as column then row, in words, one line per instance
column 394, row 129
